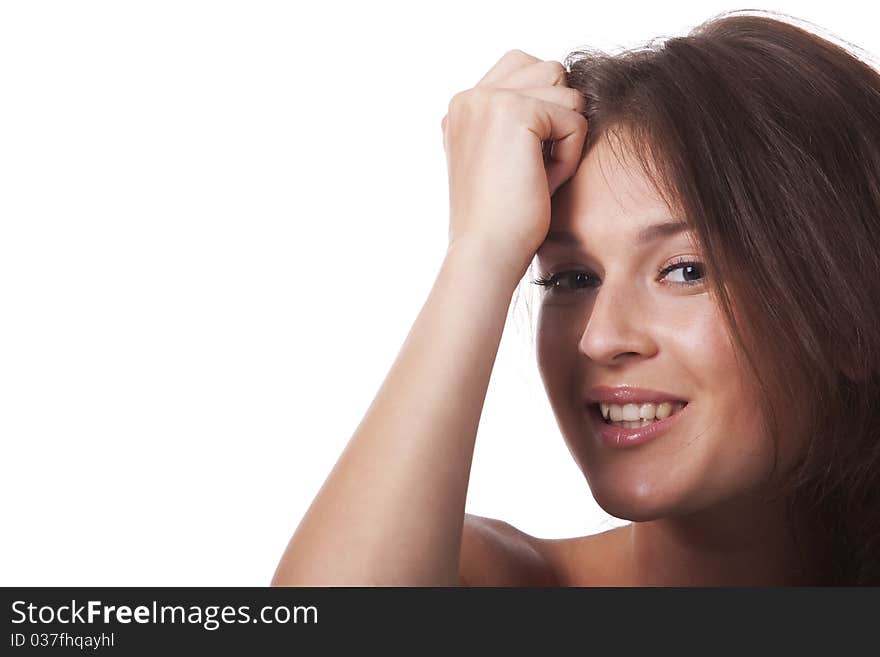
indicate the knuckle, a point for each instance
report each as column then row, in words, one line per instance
column 466, row 104
column 555, row 70
column 518, row 56
column 464, row 96
column 455, row 102
column 473, row 100
column 484, row 105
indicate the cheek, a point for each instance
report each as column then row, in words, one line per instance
column 550, row 349
column 707, row 367
column 730, row 397
column 707, row 353
column 556, row 347
column 697, row 337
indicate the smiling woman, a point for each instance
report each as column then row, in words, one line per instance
column 709, row 299
column 639, row 310
column 762, row 313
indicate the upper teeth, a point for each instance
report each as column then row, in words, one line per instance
column 634, row 412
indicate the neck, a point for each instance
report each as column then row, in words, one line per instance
column 743, row 543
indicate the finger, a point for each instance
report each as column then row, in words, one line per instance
column 538, row 74
column 509, row 62
column 568, row 131
column 565, row 96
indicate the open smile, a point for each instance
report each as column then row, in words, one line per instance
column 621, row 437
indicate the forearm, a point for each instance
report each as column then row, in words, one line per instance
column 391, row 511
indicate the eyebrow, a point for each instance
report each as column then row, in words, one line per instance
column 647, row 234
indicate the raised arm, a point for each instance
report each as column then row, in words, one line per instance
column 391, row 511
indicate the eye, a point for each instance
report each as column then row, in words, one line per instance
column 566, row 282
column 578, row 279
column 693, row 272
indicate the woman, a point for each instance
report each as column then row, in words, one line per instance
column 705, row 231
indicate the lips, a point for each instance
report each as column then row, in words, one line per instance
column 619, row 437
column 630, row 395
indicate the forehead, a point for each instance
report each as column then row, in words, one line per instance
column 608, row 187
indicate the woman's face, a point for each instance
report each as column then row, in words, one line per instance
column 625, row 324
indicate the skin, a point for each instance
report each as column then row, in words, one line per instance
column 692, row 494
column 391, row 511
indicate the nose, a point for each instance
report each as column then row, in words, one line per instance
column 618, row 328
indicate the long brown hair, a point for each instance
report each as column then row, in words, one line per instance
column 765, row 137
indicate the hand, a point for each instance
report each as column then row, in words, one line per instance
column 499, row 188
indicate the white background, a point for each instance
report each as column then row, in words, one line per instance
column 218, row 221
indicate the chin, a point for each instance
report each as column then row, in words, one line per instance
column 639, row 500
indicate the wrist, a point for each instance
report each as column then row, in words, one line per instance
column 485, row 257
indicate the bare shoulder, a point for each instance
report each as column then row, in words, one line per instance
column 495, row 553
column 593, row 560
